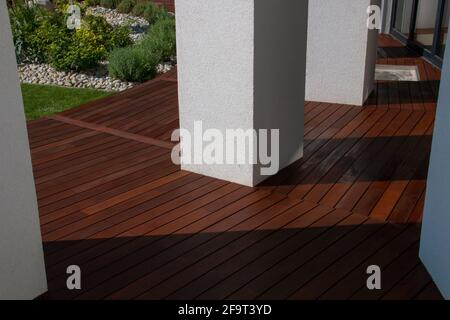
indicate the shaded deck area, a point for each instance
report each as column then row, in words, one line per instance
column 112, row 202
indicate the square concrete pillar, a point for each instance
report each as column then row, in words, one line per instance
column 22, row 271
column 241, row 65
column 342, row 52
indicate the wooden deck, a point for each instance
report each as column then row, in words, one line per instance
column 112, row 202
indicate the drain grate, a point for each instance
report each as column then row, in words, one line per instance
column 386, row 72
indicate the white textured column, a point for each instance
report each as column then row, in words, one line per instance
column 22, row 272
column 241, row 65
column 435, row 239
column 341, row 53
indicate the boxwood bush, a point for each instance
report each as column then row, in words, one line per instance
column 133, row 64
column 139, row 8
column 139, row 62
column 126, row 6
column 111, row 4
column 162, row 39
column 150, row 12
column 92, row 2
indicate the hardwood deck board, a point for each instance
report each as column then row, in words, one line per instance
column 356, row 197
column 135, row 209
column 119, row 182
column 350, row 133
column 164, row 220
column 112, row 202
column 140, row 107
column 301, row 271
column 93, row 210
column 101, row 252
column 355, row 279
column 317, row 286
column 98, row 177
column 265, row 281
column 406, row 262
column 347, row 164
column 391, row 170
column 253, row 244
column 430, row 292
column 371, row 147
column 144, row 263
column 86, row 155
column 410, row 286
column 221, row 283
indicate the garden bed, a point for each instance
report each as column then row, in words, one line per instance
column 113, row 49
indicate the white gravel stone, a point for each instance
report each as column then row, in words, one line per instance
column 137, row 25
column 45, row 74
column 97, row 79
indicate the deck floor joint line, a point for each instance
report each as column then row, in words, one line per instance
column 115, row 132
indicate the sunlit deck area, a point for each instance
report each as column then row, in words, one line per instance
column 112, row 202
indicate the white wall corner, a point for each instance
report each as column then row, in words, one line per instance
column 22, row 270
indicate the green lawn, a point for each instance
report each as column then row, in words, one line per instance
column 43, row 100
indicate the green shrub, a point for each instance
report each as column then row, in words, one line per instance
column 161, row 39
column 92, row 3
column 42, row 36
column 125, row 6
column 24, row 22
column 61, row 4
column 111, row 4
column 162, row 13
column 150, row 11
column 119, row 38
column 81, row 51
column 109, row 36
column 139, row 8
column 153, row 12
column 138, row 63
column 132, row 64
column 88, row 45
column 52, row 33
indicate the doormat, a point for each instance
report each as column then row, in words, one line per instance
column 384, row 72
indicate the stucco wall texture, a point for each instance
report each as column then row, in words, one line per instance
column 232, row 73
column 341, row 53
column 22, row 273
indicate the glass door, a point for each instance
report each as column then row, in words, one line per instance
column 403, row 14
column 425, row 25
column 422, row 25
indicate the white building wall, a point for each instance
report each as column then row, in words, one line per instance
column 22, row 272
column 435, row 240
